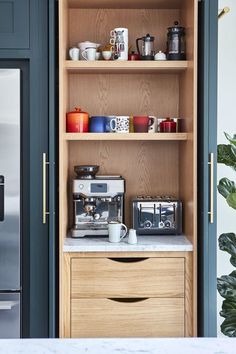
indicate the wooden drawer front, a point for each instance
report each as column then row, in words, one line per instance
column 109, row 318
column 103, row 277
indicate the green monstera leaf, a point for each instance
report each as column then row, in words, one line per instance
column 231, row 200
column 227, row 243
column 228, row 327
column 228, row 308
column 226, row 154
column 226, row 285
column 232, row 140
column 226, row 187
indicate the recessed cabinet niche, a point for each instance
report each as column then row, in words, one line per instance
column 152, row 164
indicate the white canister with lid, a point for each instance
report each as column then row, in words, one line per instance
column 160, row 56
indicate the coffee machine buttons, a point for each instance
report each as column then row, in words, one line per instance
column 81, row 186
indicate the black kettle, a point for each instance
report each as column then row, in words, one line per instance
column 176, row 47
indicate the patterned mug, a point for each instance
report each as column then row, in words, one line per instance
column 121, row 124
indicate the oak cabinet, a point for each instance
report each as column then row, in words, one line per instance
column 109, row 295
column 152, row 164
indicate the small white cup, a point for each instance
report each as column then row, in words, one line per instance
column 106, row 54
column 89, row 54
column 114, row 229
column 132, row 237
column 74, row 53
column 97, row 55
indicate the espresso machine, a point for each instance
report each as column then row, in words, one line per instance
column 97, row 200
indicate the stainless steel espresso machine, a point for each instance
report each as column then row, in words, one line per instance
column 96, row 201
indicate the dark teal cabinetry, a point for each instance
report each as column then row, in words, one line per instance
column 27, row 42
column 14, row 24
column 207, row 142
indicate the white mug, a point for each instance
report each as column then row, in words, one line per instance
column 119, row 41
column 132, row 237
column 154, row 125
column 114, row 229
column 121, row 124
column 89, row 54
column 74, row 53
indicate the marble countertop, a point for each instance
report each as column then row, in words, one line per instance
column 178, row 243
column 122, row 346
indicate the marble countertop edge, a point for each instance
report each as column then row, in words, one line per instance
column 146, row 243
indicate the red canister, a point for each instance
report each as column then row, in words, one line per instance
column 168, row 126
column 77, row 121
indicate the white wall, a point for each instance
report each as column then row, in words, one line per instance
column 226, row 123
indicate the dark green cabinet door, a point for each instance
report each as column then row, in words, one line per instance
column 207, row 155
column 14, row 24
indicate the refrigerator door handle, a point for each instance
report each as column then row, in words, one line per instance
column 2, row 198
column 45, row 212
column 8, row 305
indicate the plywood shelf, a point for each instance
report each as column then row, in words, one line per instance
column 138, row 66
column 126, row 136
column 125, row 4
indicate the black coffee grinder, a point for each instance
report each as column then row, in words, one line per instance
column 147, row 52
column 176, row 46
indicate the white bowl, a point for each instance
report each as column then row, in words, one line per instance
column 106, row 54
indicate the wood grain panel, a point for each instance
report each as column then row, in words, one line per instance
column 104, row 277
column 129, row 67
column 108, row 318
column 138, row 22
column 188, row 152
column 149, row 168
column 65, row 286
column 190, row 317
column 126, row 4
column 110, row 94
column 126, row 136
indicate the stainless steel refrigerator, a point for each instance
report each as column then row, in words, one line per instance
column 10, row 204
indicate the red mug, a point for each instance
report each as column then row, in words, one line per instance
column 141, row 123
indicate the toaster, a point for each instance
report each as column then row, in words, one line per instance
column 159, row 215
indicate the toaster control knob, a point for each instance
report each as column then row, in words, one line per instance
column 161, row 225
column 147, row 224
column 167, row 224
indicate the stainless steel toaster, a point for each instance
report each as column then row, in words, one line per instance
column 159, row 215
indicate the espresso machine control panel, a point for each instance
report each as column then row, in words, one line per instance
column 100, row 186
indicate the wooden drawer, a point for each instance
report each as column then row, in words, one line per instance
column 112, row 318
column 105, row 277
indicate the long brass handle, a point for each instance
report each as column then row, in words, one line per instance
column 45, row 212
column 211, row 211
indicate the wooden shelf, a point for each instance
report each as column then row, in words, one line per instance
column 138, row 66
column 125, row 4
column 126, row 136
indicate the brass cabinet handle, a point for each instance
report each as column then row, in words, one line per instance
column 128, row 300
column 211, row 211
column 128, row 260
column 45, row 212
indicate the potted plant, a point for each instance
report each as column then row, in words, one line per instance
column 226, row 284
